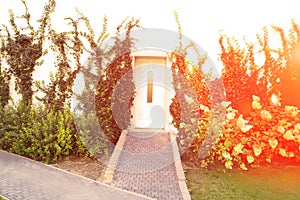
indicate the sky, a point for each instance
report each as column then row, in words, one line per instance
column 201, row 20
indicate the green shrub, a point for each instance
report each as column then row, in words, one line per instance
column 39, row 134
column 92, row 138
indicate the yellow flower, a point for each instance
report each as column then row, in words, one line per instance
column 291, row 154
column 297, row 138
column 238, row 148
column 280, row 129
column 250, row 159
column 256, row 105
column 291, row 110
column 268, row 160
column 229, row 164
column 246, row 128
column 275, row 100
column 266, row 115
column 243, row 166
column 241, row 123
column 203, row 164
column 257, row 150
column 282, row 122
column 230, row 115
column 225, row 104
column 229, row 108
column 204, row 108
column 255, row 98
column 226, row 155
column 297, row 128
column 282, row 152
column 295, row 113
column 288, row 135
column 273, row 143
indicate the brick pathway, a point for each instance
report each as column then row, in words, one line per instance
column 21, row 178
column 146, row 166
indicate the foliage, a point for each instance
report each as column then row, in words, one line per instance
column 192, row 96
column 269, row 135
column 240, row 75
column 243, row 76
column 266, row 130
column 68, row 48
column 44, row 134
column 290, row 75
column 24, row 47
column 261, row 125
column 48, row 132
column 115, row 89
column 184, row 107
column 38, row 133
column 98, row 56
column 4, row 86
column 90, row 136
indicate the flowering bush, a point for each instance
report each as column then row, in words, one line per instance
column 264, row 129
column 270, row 134
column 262, row 120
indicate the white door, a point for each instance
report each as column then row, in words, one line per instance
column 151, row 103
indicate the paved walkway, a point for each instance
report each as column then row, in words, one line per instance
column 23, row 179
column 146, row 165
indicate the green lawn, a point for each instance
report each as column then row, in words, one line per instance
column 2, row 198
column 268, row 183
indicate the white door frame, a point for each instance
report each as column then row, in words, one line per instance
column 168, row 87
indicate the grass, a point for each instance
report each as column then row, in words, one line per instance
column 276, row 183
column 2, row 198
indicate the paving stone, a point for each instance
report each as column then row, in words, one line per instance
column 24, row 179
column 146, row 166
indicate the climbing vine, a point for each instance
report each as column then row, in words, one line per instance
column 4, row 86
column 23, row 47
column 115, row 89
